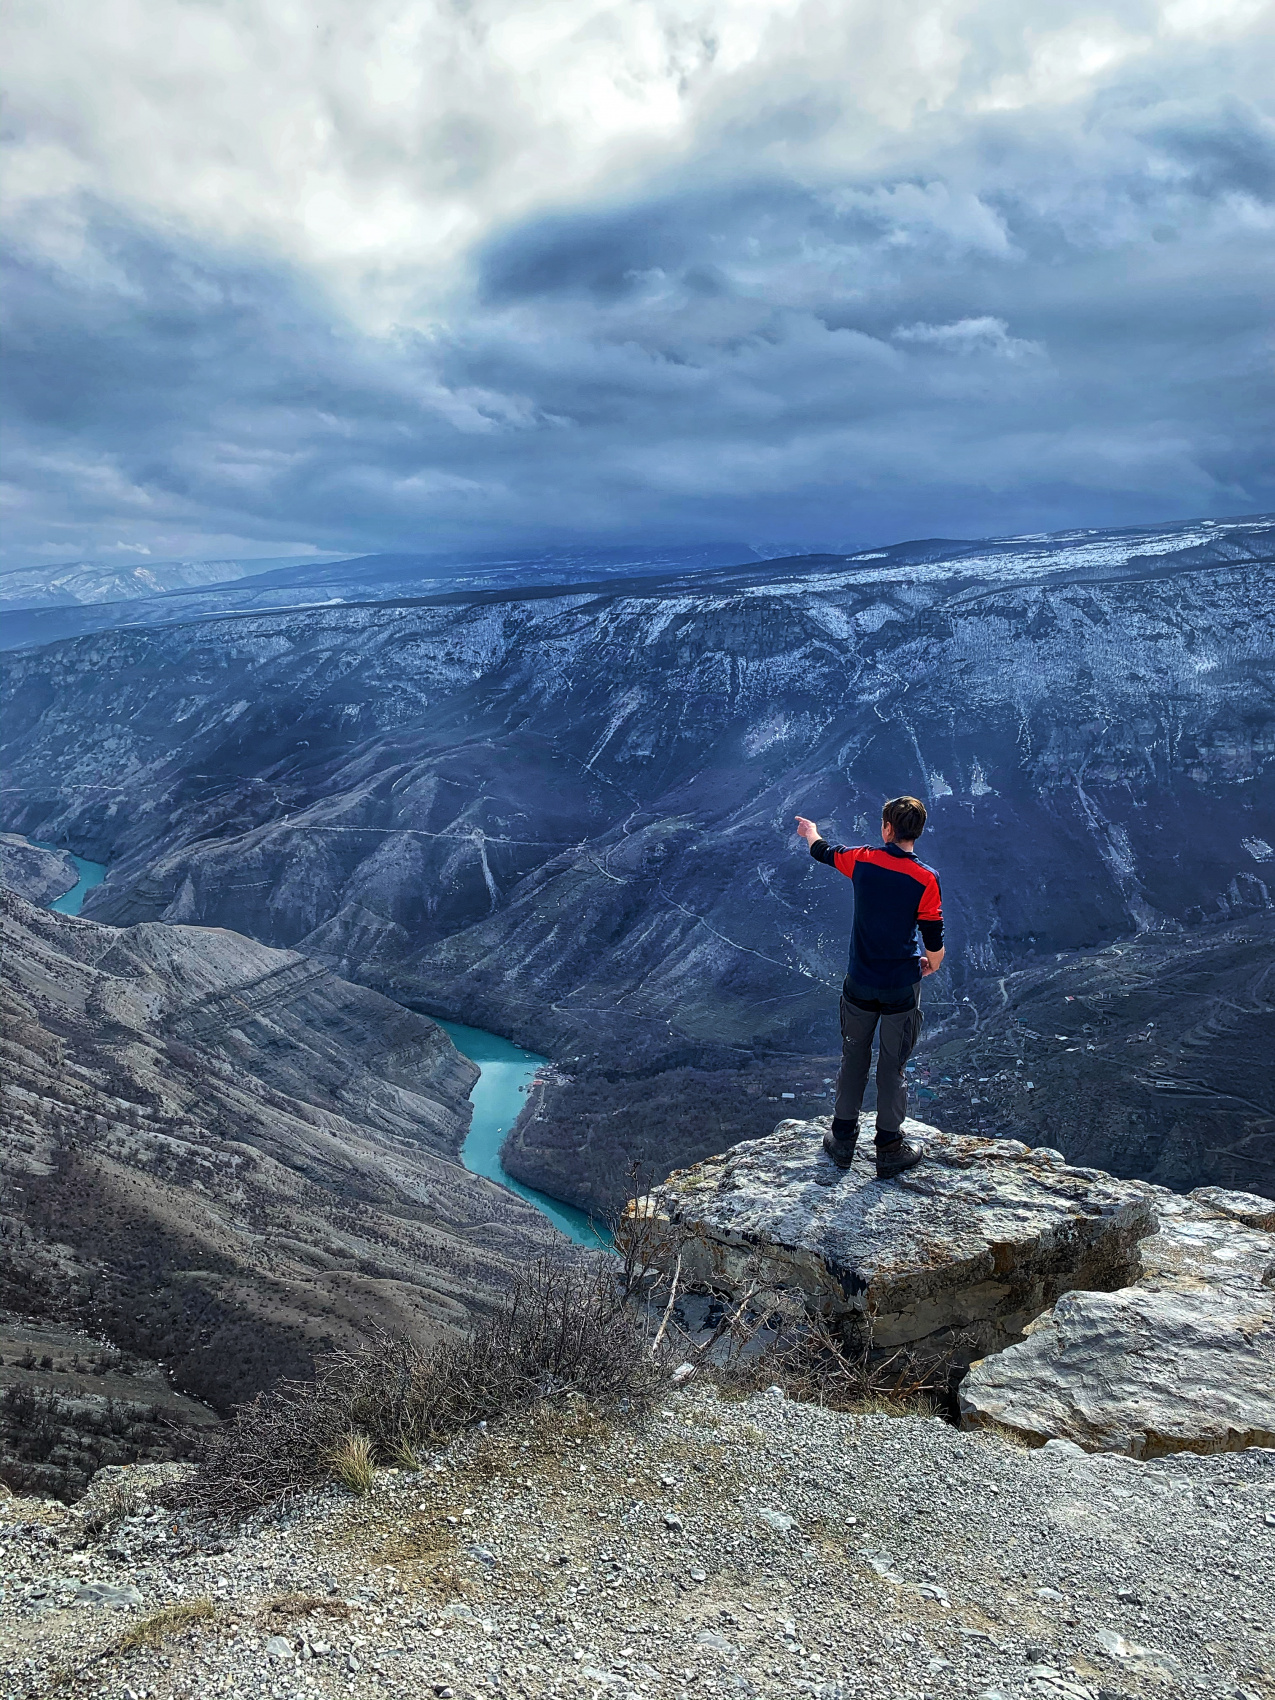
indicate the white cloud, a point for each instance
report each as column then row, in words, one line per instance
column 820, row 268
column 379, row 141
column 984, row 335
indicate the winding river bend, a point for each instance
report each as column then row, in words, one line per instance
column 91, row 874
column 506, row 1071
column 497, row 1097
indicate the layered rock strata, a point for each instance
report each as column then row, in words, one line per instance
column 223, row 1158
column 1111, row 1313
column 35, row 873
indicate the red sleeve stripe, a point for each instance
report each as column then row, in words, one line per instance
column 930, row 907
column 844, row 860
column 930, row 903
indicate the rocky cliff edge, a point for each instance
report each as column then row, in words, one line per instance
column 1073, row 1305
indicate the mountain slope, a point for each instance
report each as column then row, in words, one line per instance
column 36, row 873
column 1154, row 1054
column 568, row 816
column 222, row 1157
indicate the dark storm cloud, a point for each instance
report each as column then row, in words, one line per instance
column 1027, row 320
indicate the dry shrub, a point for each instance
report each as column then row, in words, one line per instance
column 766, row 1336
column 816, row 1364
column 563, row 1328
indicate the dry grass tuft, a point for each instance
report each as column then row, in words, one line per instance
column 353, row 1463
column 403, row 1455
column 144, row 1635
column 163, row 1624
column 104, row 1511
column 1011, row 1437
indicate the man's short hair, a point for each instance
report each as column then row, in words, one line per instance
column 906, row 815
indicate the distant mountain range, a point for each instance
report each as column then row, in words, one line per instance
column 70, row 584
column 563, row 810
column 44, row 604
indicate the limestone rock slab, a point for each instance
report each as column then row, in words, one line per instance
column 1246, row 1207
column 959, row 1254
column 1183, row 1359
column 1196, row 1246
column 1143, row 1371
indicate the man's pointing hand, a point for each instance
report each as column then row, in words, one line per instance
column 807, row 829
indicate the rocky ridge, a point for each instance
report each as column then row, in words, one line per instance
column 1110, row 1313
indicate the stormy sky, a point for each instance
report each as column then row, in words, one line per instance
column 439, row 274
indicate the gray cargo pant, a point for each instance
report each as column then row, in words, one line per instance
column 900, row 1029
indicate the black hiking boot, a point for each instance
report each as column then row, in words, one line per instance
column 896, row 1157
column 839, row 1151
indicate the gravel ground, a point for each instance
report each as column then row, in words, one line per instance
column 754, row 1547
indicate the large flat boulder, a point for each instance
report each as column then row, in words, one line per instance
column 1111, row 1313
column 954, row 1258
column 1183, row 1359
column 1141, row 1371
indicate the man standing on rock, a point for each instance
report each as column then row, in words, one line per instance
column 895, row 895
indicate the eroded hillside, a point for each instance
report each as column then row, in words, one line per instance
column 222, row 1157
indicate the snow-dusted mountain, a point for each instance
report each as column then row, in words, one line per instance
column 40, row 606
column 70, row 584
column 567, row 814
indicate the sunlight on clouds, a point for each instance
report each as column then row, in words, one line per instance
column 381, row 141
column 340, row 134
column 1061, row 64
column 972, row 336
column 1214, row 18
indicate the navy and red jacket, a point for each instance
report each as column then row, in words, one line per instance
column 894, row 896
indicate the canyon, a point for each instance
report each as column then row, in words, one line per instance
column 563, row 813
